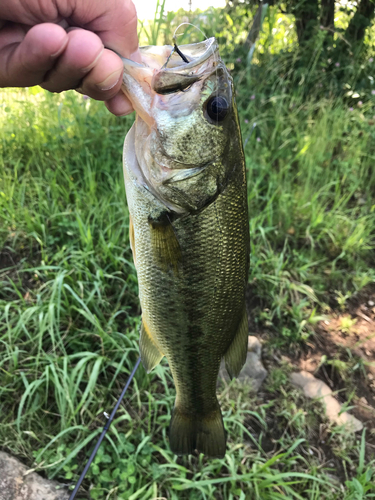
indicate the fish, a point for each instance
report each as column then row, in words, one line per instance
column 185, row 182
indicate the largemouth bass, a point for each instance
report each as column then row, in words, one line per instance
column 186, row 190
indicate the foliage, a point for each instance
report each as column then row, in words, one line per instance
column 310, row 15
column 330, row 65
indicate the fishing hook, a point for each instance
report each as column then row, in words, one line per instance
column 184, row 58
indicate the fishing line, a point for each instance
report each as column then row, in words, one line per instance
column 176, row 48
column 174, row 38
column 105, row 429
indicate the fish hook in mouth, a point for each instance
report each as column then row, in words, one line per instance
column 193, row 56
column 178, row 51
column 185, row 59
column 175, row 49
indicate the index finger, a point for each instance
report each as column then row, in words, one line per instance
column 114, row 21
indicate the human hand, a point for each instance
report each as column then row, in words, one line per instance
column 36, row 48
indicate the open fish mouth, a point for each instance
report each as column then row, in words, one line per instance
column 163, row 71
column 165, row 58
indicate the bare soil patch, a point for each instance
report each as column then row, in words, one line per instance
column 342, row 353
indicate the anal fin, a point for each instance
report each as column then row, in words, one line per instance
column 235, row 356
column 149, row 350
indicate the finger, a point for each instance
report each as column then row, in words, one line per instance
column 115, row 21
column 33, row 12
column 81, row 54
column 104, row 80
column 119, row 105
column 25, row 58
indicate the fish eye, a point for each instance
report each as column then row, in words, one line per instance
column 217, row 108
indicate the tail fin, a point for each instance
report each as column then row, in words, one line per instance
column 204, row 433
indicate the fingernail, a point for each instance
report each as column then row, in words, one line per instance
column 110, row 82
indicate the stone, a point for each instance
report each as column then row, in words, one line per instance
column 253, row 345
column 253, row 370
column 316, row 389
column 17, row 484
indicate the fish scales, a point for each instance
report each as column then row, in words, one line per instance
column 192, row 265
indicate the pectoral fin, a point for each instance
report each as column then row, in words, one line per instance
column 149, row 351
column 235, row 356
column 165, row 244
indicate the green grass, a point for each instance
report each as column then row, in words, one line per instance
column 69, row 312
column 312, row 212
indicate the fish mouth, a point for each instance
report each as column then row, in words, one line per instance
column 166, row 59
column 162, row 71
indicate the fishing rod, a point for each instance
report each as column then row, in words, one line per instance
column 105, row 429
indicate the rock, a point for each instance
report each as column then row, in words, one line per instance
column 253, row 345
column 16, row 484
column 316, row 389
column 253, row 370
